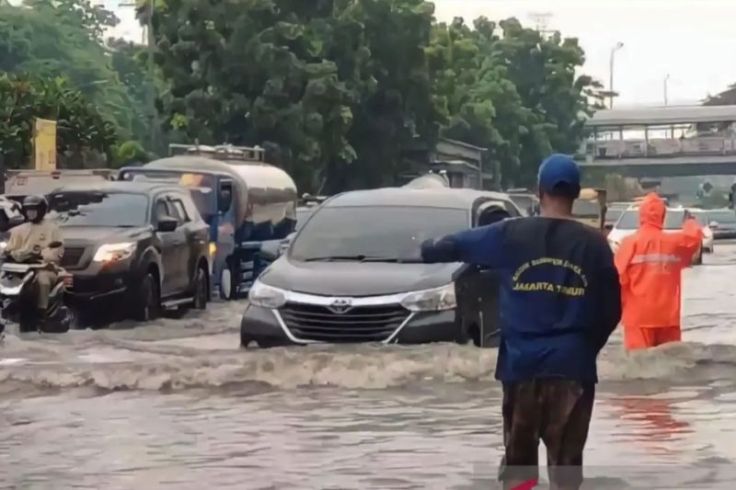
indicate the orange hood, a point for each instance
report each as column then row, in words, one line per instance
column 652, row 211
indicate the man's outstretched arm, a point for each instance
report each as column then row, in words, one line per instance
column 479, row 246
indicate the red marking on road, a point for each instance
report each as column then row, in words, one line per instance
column 526, row 485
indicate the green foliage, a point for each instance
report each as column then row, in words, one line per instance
column 63, row 38
column 81, row 131
column 335, row 88
column 343, row 88
column 510, row 90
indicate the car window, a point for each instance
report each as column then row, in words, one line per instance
column 162, row 209
column 723, row 217
column 181, row 213
column 94, row 208
column 630, row 220
column 389, row 232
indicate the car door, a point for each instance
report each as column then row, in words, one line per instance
column 172, row 243
column 182, row 244
column 478, row 287
column 196, row 239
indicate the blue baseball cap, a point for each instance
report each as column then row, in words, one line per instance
column 558, row 169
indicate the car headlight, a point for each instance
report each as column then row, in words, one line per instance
column 437, row 299
column 113, row 252
column 266, row 296
column 3, row 245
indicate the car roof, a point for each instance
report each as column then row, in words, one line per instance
column 437, row 198
column 136, row 187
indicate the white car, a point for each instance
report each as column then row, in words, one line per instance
column 701, row 216
column 628, row 224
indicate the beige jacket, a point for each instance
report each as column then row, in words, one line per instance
column 30, row 238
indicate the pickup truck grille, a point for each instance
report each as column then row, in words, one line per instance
column 72, row 256
column 359, row 324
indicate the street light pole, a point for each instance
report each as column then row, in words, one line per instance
column 618, row 46
column 666, row 79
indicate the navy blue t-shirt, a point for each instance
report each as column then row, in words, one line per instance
column 559, row 293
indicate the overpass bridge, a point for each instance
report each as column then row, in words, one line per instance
column 668, row 141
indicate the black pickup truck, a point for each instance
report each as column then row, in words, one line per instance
column 139, row 246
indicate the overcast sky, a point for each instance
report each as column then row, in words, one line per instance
column 692, row 40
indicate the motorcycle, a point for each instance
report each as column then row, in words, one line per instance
column 18, row 298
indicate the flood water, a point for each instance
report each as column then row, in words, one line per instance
column 177, row 405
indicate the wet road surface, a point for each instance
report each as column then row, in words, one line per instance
column 177, row 405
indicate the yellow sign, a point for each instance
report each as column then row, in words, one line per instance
column 44, row 144
column 545, row 286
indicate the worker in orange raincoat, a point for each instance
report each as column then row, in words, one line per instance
column 650, row 264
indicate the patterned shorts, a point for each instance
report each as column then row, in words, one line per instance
column 555, row 411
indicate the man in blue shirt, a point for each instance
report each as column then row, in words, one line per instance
column 559, row 302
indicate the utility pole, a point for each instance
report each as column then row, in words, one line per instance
column 666, row 79
column 618, row 46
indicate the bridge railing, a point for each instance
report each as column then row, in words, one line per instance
column 660, row 147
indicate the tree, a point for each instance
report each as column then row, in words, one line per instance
column 514, row 92
column 63, row 38
column 322, row 81
column 84, row 136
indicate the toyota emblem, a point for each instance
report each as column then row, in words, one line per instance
column 340, row 306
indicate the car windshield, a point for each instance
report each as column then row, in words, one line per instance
column 302, row 215
column 630, row 220
column 523, row 202
column 99, row 209
column 725, row 217
column 612, row 214
column 700, row 216
column 374, row 233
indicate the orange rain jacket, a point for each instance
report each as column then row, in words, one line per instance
column 650, row 264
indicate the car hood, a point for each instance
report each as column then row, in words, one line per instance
column 101, row 234
column 356, row 278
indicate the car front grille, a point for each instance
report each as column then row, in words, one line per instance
column 359, row 324
column 72, row 256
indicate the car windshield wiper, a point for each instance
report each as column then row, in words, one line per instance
column 358, row 258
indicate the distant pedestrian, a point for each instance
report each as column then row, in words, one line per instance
column 650, row 264
column 559, row 303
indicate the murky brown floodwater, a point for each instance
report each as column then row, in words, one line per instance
column 178, row 405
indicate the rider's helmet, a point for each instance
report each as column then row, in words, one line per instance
column 37, row 204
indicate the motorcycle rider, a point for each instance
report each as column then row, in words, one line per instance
column 31, row 241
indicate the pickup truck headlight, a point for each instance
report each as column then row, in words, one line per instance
column 266, row 296
column 437, row 299
column 113, row 252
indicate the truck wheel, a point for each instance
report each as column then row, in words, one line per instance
column 228, row 281
column 147, row 300
column 201, row 290
column 698, row 260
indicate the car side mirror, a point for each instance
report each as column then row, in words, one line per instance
column 167, row 224
column 271, row 249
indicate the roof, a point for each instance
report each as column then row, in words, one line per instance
column 136, row 187
column 436, row 197
column 662, row 115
